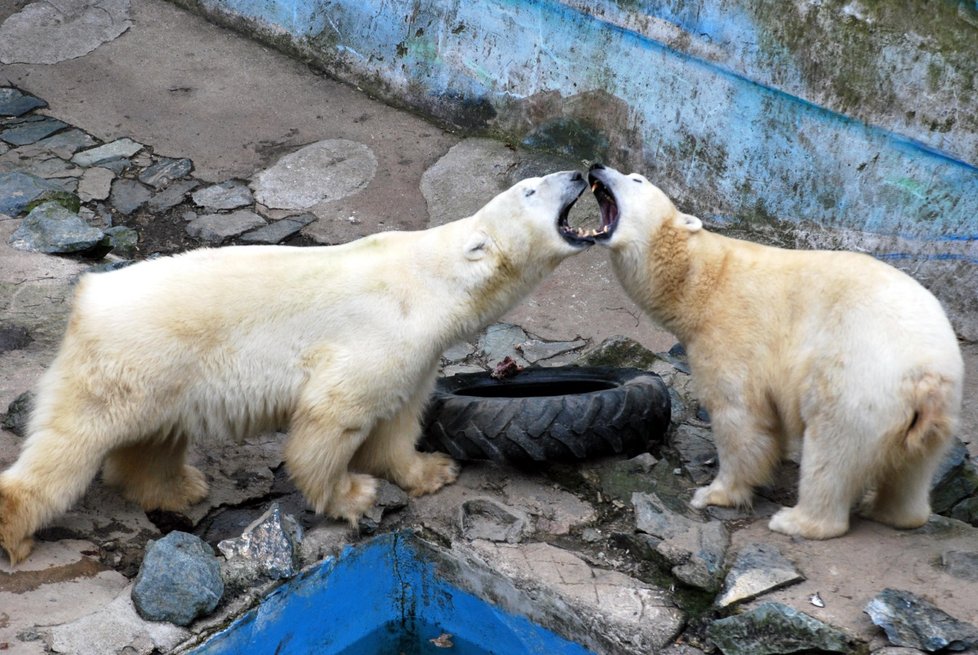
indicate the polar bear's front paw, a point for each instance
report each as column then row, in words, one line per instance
column 353, row 497
column 721, row 496
column 794, row 521
column 431, row 472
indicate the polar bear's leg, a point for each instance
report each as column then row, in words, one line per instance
column 747, row 454
column 832, row 478
column 154, row 474
column 52, row 472
column 902, row 499
column 390, row 452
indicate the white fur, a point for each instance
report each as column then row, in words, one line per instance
column 835, row 351
column 340, row 344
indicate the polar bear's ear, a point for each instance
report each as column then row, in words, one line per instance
column 691, row 223
column 476, row 246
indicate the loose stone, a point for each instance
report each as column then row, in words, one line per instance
column 773, row 628
column 67, row 143
column 909, row 620
column 165, row 171
column 484, row 518
column 51, row 228
column 215, row 228
column 267, row 548
column 179, row 580
column 128, row 195
column 114, row 150
column 95, row 184
column 17, row 190
column 759, row 568
column 226, row 195
column 172, row 195
column 14, row 102
column 19, row 132
column 278, row 231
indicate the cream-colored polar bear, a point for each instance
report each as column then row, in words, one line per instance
column 340, row 344
column 837, row 350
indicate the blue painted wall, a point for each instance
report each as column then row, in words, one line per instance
column 818, row 124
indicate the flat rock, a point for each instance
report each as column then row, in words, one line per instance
column 51, row 228
column 485, row 518
column 17, row 190
column 961, row 564
column 172, row 195
column 95, row 184
column 114, row 150
column 226, row 195
column 179, row 580
column 322, row 171
column 215, row 228
column 67, row 143
column 697, row 452
column 280, row 230
column 165, row 171
column 620, row 352
column 116, row 628
column 500, row 340
column 47, row 33
column 128, row 195
column 759, row 568
column 14, row 102
column 19, row 132
column 535, row 350
column 773, row 628
column 268, row 548
column 911, row 621
column 124, row 240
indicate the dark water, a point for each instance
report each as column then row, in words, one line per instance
column 393, row 639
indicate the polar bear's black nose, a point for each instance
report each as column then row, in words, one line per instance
column 577, row 177
column 597, row 167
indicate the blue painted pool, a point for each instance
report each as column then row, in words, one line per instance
column 388, row 596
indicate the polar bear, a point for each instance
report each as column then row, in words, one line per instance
column 340, row 344
column 835, row 352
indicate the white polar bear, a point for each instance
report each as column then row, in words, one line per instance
column 836, row 350
column 340, row 344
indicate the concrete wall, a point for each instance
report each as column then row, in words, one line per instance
column 819, row 123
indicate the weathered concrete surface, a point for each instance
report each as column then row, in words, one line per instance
column 838, row 123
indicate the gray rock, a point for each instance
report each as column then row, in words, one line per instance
column 172, row 195
column 482, row 163
column 67, row 143
column 31, row 129
column 53, row 167
column 14, row 337
column 620, row 352
column 51, row 228
column 773, row 628
column 695, row 549
column 47, row 33
column 911, row 621
column 18, row 413
column 960, row 564
column 179, row 580
column 758, row 569
column 458, row 352
column 326, row 170
column 165, row 171
column 535, row 350
column 226, row 195
column 17, row 190
column 128, row 195
column 697, row 452
column 966, row 511
column 500, row 340
column 95, row 184
column 268, row 548
column 116, row 164
column 277, row 231
column 484, row 518
column 14, row 102
column 215, row 228
column 104, row 153
column 390, row 497
column 124, row 240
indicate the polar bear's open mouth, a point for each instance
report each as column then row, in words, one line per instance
column 609, row 209
column 572, row 235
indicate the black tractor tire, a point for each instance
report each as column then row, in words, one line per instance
column 560, row 414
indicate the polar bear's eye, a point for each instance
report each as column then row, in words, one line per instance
column 529, row 192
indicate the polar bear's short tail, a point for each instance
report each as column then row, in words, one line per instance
column 935, row 414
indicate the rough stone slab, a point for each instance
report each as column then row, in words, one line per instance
column 17, row 190
column 274, row 232
column 773, row 628
column 124, row 240
column 911, row 621
column 165, row 171
column 226, row 195
column 128, row 195
column 14, row 102
column 535, row 350
column 484, row 518
column 95, row 184
column 759, row 568
column 326, row 170
column 114, row 150
column 48, row 32
column 500, row 341
column 172, row 195
column 636, row 617
column 555, row 510
column 269, row 548
column 50, row 228
column 458, row 352
column 215, row 228
column 30, row 130
column 53, row 168
column 67, row 143
column 116, row 628
column 697, row 451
